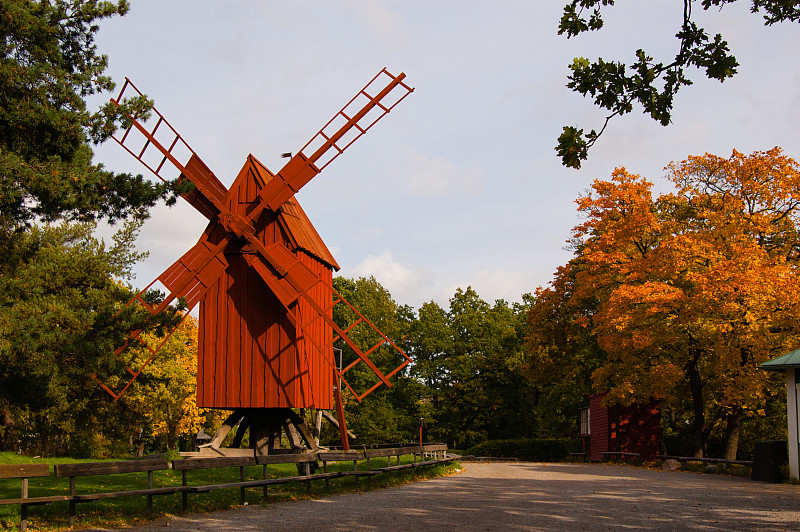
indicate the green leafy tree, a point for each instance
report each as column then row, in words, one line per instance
column 57, row 328
column 469, row 362
column 430, row 343
column 49, row 65
column 486, row 393
column 383, row 415
column 563, row 352
column 59, row 298
column 652, row 84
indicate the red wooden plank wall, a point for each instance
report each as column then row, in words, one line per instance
column 599, row 422
column 630, row 429
column 640, row 430
column 249, row 354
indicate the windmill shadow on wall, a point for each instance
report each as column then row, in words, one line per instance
column 263, row 278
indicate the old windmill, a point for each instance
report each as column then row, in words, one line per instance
column 263, row 278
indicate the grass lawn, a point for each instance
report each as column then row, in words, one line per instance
column 129, row 510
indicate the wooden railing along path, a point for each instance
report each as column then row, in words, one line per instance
column 725, row 463
column 424, row 455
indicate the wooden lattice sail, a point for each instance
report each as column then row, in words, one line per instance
column 260, row 271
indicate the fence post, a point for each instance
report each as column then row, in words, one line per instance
column 71, row 501
column 149, row 507
column 184, row 493
column 23, row 511
column 241, row 489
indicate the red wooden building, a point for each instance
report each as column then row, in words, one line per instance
column 628, row 429
column 249, row 354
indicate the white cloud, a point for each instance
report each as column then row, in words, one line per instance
column 381, row 21
column 427, row 176
column 461, row 181
column 395, row 277
column 492, row 284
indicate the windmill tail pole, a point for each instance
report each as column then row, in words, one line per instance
column 337, row 394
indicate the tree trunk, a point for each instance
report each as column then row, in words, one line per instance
column 171, row 430
column 696, row 387
column 7, row 436
column 733, row 424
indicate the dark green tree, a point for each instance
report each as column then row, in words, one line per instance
column 386, row 414
column 563, row 353
column 49, row 65
column 60, row 286
column 430, row 343
column 469, row 361
column 652, row 84
column 56, row 329
column 486, row 392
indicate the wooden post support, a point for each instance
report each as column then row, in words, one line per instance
column 265, row 486
column 242, row 489
column 149, row 508
column 23, row 511
column 184, row 494
column 71, row 501
column 793, row 414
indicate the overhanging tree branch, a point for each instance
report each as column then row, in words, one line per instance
column 617, row 87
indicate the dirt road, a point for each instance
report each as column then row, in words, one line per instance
column 529, row 496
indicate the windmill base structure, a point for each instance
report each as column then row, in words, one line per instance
column 263, row 278
column 266, row 427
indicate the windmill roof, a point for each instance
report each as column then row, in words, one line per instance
column 789, row 360
column 304, row 233
column 297, row 224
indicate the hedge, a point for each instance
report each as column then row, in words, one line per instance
column 530, row 450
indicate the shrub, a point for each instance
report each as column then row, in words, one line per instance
column 531, row 450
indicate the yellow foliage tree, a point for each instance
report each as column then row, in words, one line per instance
column 164, row 396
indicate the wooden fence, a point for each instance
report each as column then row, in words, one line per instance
column 424, row 455
column 725, row 463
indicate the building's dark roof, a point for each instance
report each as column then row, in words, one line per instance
column 789, row 360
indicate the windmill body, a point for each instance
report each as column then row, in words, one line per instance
column 249, row 354
column 263, row 278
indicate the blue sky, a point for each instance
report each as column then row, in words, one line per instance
column 460, row 185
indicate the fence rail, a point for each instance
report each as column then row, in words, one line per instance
column 424, row 455
column 725, row 463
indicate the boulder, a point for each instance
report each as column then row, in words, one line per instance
column 670, row 464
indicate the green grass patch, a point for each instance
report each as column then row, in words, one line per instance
column 129, row 510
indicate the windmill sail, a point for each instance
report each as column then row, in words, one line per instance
column 252, row 234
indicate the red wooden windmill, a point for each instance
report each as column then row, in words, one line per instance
column 263, row 278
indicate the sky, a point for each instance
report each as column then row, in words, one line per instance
column 460, row 184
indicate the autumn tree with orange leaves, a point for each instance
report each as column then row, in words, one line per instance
column 684, row 295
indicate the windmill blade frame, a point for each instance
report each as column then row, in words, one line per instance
column 159, row 147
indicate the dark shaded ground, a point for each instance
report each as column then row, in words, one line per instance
column 529, row 496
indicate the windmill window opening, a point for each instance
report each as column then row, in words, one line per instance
column 586, row 426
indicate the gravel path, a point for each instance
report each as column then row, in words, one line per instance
column 528, row 496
